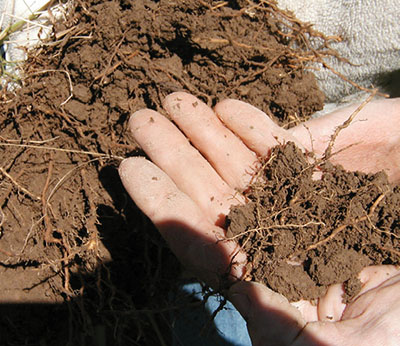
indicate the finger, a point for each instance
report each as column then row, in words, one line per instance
column 194, row 240
column 331, row 306
column 233, row 161
column 376, row 302
column 253, row 126
column 271, row 320
column 376, row 282
column 374, row 276
column 170, row 150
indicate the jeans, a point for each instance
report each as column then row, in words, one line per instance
column 193, row 324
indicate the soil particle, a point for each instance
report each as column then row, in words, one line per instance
column 302, row 235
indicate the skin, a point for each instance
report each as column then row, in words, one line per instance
column 199, row 165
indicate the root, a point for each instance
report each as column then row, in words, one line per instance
column 328, row 150
column 278, row 226
column 71, row 89
column 396, row 252
column 19, row 186
column 2, row 218
column 48, row 238
column 299, row 36
column 337, row 230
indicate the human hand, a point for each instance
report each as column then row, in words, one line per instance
column 187, row 195
column 371, row 319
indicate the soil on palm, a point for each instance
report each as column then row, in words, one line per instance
column 303, row 234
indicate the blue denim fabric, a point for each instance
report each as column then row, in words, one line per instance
column 192, row 326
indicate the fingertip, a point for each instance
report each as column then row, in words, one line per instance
column 135, row 173
column 182, row 106
column 176, row 97
column 128, row 165
column 142, row 117
column 265, row 298
column 256, row 129
column 374, row 276
column 237, row 295
column 123, row 168
column 331, row 306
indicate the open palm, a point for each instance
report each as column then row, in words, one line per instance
column 197, row 171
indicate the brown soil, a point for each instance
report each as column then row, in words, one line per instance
column 69, row 233
column 303, row 234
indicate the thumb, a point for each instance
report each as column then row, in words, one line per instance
column 271, row 319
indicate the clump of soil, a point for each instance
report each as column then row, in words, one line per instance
column 303, row 234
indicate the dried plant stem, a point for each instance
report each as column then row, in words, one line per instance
column 19, row 186
column 72, row 151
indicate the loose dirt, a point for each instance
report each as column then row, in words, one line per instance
column 303, row 234
column 69, row 234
